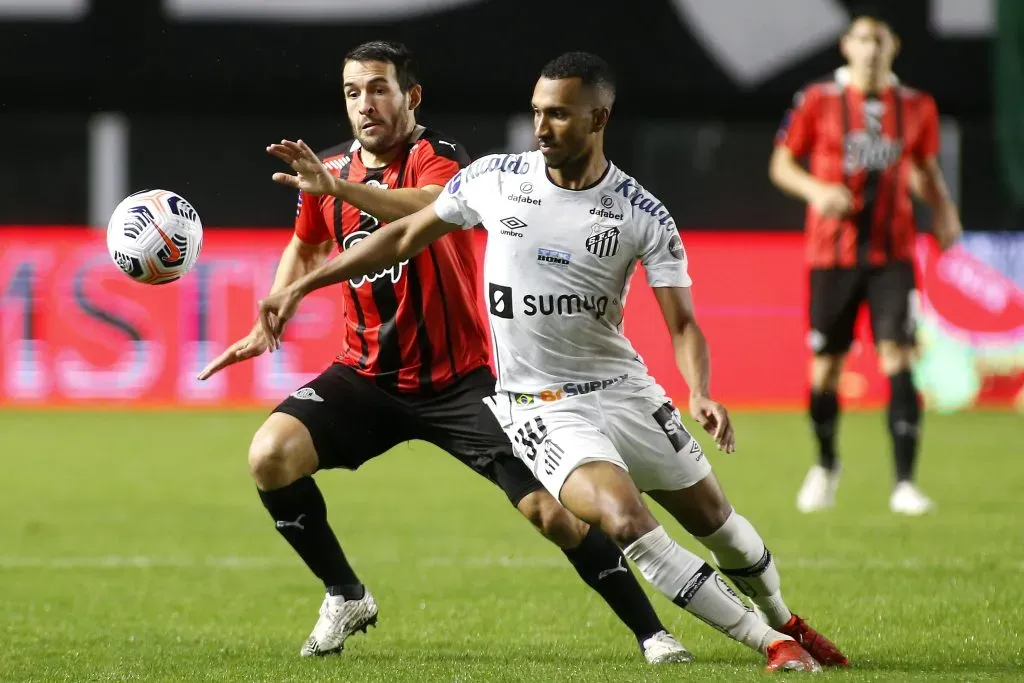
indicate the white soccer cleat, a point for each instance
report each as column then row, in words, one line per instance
column 663, row 648
column 907, row 499
column 339, row 619
column 818, row 491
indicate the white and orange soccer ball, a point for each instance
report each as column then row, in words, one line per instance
column 154, row 236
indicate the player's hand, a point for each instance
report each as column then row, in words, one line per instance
column 276, row 310
column 833, row 200
column 249, row 346
column 947, row 227
column 310, row 173
column 714, row 418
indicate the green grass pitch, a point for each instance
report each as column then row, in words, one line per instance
column 133, row 548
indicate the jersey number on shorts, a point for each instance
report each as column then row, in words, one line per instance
column 530, row 436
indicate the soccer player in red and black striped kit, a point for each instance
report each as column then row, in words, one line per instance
column 414, row 359
column 872, row 141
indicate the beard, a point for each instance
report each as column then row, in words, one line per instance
column 555, row 159
column 562, row 156
column 385, row 137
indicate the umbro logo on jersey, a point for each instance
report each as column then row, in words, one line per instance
column 604, row 242
column 307, row 394
column 513, row 225
column 695, row 449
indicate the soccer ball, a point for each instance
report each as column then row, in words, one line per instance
column 154, row 236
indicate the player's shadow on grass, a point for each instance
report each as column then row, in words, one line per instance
column 513, row 656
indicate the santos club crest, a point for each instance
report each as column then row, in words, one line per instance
column 604, row 241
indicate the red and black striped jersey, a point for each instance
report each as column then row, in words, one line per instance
column 414, row 327
column 867, row 142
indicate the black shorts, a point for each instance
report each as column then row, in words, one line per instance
column 352, row 420
column 836, row 298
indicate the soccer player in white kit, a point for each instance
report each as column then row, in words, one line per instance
column 565, row 231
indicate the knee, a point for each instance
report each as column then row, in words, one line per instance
column 627, row 522
column 278, row 456
column 710, row 519
column 269, row 463
column 825, row 371
column 553, row 521
column 893, row 359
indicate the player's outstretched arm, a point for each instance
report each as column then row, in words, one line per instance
column 313, row 177
column 694, row 362
column 397, row 242
column 297, row 259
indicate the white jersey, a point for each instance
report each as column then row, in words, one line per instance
column 557, row 269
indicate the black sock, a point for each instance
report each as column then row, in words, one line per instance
column 600, row 563
column 300, row 515
column 904, row 423
column 824, row 417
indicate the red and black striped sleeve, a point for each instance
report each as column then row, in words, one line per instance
column 798, row 126
column 437, row 159
column 310, row 224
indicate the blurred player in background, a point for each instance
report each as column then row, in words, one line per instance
column 574, row 396
column 414, row 363
column 871, row 141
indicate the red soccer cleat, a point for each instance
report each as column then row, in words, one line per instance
column 820, row 647
column 788, row 655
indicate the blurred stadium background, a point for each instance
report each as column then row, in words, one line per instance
column 101, row 98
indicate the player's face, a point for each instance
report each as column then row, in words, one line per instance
column 378, row 110
column 566, row 116
column 869, row 47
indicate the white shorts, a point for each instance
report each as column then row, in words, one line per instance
column 632, row 424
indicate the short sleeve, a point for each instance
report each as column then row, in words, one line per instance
column 437, row 161
column 453, row 205
column 797, row 130
column 663, row 256
column 310, row 226
column 928, row 142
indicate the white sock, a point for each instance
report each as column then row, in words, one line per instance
column 693, row 585
column 742, row 556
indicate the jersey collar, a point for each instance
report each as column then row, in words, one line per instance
column 591, row 186
column 843, row 78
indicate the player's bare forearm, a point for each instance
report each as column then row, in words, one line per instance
column 688, row 342
column 932, row 186
column 298, row 259
column 383, row 204
column 932, row 189
column 693, row 359
column 788, row 175
column 396, row 242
